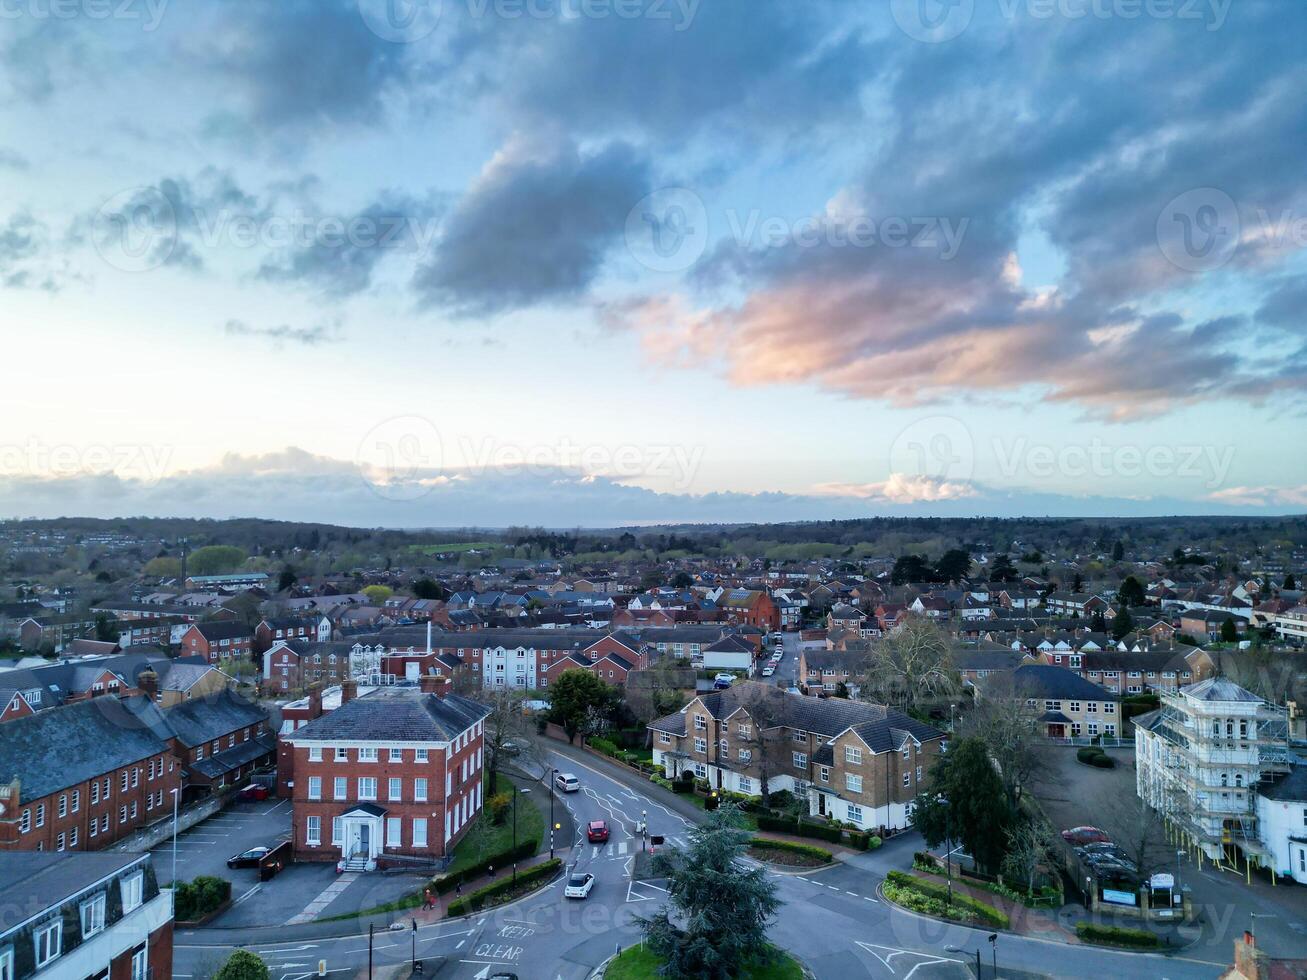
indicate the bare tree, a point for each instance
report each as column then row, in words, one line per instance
column 910, row 665
column 1136, row 828
column 765, row 706
column 506, row 726
column 1003, row 719
column 1030, row 842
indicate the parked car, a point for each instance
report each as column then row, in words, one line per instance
column 248, row 859
column 567, row 782
column 768, row 670
column 579, row 885
column 1085, row 835
column 596, row 832
column 253, row 792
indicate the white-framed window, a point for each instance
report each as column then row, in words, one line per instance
column 95, row 791
column 419, row 831
column 40, row 814
column 394, row 831
column 1109, row 707
column 701, row 745
column 338, row 830
column 907, row 779
column 92, row 914
column 800, row 760
column 60, row 843
column 367, row 788
column 48, row 940
column 63, row 804
column 746, row 784
column 853, row 755
column 852, row 783
column 800, row 736
column 664, row 738
column 823, row 773
column 340, row 787
column 315, row 787
column 855, row 814
column 746, row 731
column 315, row 753
column 746, row 755
column 1075, row 707
column 367, row 755
column 1093, row 728
column 141, row 964
column 133, row 891
column 700, row 723
column 395, row 791
column 25, row 822
column 313, row 831
column 7, row 964
column 420, row 790
column 395, row 755
column 342, row 755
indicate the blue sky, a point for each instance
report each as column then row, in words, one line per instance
column 490, row 261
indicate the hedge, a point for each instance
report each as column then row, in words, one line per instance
column 603, row 746
column 483, row 897
column 503, row 859
column 930, row 890
column 195, row 899
column 1116, row 936
column 784, row 845
column 1092, row 756
column 836, row 835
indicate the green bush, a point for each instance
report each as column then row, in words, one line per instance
column 778, row 825
column 603, row 746
column 1087, row 753
column 820, row 831
column 484, row 897
column 1116, row 936
column 499, row 804
column 902, row 881
column 808, row 850
column 502, row 859
column 1102, row 761
column 195, row 899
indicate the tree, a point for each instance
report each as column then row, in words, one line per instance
column 1077, row 582
column 507, row 722
column 765, row 707
column 725, row 905
column 1137, row 829
column 911, row 568
column 1131, row 592
column 659, row 689
column 912, row 664
column 682, row 580
column 579, row 701
column 377, row 594
column 1122, row 624
column 215, row 559
column 1098, row 624
column 1004, row 721
column 964, row 801
column 1029, row 842
column 243, row 965
column 425, row 588
column 105, row 629
column 954, row 565
column 162, row 567
column 1002, row 570
column 1289, row 583
column 1229, row 632
column 1118, row 550
column 286, row 579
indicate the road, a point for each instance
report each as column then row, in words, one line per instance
column 835, row 920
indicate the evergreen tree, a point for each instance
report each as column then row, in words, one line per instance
column 965, row 799
column 725, row 905
column 242, row 965
column 1131, row 592
column 1122, row 625
column 1002, row 570
column 1118, row 550
column 1098, row 624
column 1289, row 583
column 1229, row 632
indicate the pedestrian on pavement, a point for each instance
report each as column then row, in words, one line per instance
column 458, row 888
column 428, row 900
column 490, row 870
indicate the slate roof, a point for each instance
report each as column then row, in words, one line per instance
column 34, row 881
column 223, row 630
column 1292, row 787
column 402, row 714
column 1058, row 682
column 240, row 754
column 201, row 720
column 1219, row 689
column 54, row 749
column 879, row 726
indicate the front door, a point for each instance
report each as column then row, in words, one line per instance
column 365, row 837
column 1056, row 731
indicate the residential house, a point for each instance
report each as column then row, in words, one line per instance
column 1070, row 706
column 216, row 640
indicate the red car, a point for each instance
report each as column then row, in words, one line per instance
column 596, row 832
column 253, row 792
column 1085, row 835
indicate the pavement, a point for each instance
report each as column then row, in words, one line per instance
column 833, row 919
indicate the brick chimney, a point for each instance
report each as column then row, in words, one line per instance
column 148, row 682
column 1245, row 958
column 315, row 702
column 433, row 684
column 349, row 690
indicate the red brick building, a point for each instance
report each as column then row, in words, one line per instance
column 269, row 631
column 217, row 640
column 750, row 607
column 396, row 771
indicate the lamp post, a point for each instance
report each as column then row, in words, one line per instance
column 176, row 797
column 993, row 945
column 413, row 933
column 948, row 847
column 553, row 774
column 515, row 796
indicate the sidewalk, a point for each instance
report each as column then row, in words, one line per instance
column 427, row 916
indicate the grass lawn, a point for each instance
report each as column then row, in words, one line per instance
column 485, row 839
column 460, row 547
column 638, row 963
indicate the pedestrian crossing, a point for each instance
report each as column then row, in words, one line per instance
column 624, row 849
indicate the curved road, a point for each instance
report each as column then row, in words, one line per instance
column 835, row 920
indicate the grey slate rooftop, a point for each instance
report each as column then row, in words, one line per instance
column 40, row 880
column 401, row 714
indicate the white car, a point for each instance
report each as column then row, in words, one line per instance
column 768, row 670
column 579, row 885
column 567, row 782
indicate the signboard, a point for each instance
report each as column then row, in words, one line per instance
column 1118, row 897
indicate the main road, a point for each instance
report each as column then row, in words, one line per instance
column 835, row 920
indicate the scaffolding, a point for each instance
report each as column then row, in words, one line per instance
column 1203, row 771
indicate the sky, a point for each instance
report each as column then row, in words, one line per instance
column 561, row 262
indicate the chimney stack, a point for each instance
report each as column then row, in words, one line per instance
column 349, row 690
column 315, row 702
column 434, row 684
column 148, row 682
column 428, row 637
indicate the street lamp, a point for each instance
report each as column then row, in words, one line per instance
column 948, row 846
column 176, row 796
column 644, row 831
column 993, row 945
column 553, row 774
column 515, row 795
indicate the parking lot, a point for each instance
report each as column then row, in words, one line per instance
column 205, row 848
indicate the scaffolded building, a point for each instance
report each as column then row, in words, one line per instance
column 1199, row 761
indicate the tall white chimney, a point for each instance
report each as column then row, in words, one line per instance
column 428, row 637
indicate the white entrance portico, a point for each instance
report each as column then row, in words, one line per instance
column 361, row 840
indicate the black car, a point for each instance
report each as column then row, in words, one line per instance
column 248, row 859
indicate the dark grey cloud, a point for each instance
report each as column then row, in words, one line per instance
column 283, row 334
column 338, row 255
column 13, row 160
column 534, row 227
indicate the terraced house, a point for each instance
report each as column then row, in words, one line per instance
column 855, row 762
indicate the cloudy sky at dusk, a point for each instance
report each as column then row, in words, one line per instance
column 611, row 261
